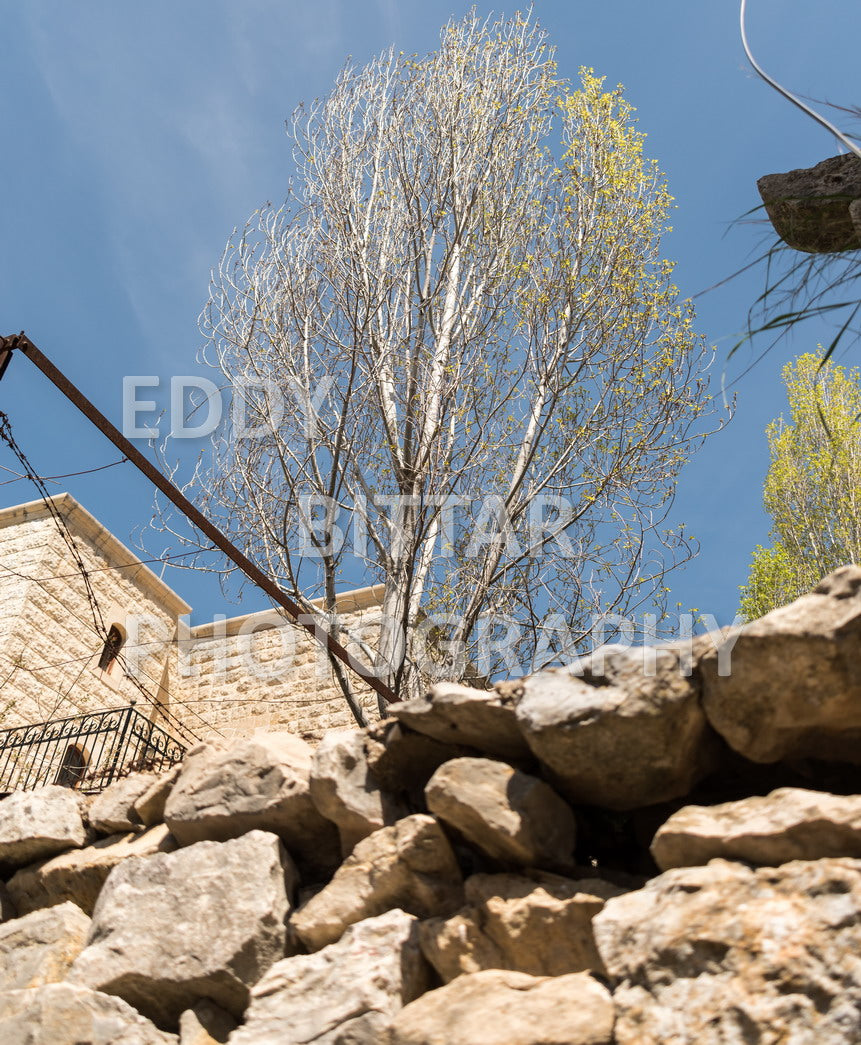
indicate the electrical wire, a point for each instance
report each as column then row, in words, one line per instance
column 65, row 532
column 788, row 95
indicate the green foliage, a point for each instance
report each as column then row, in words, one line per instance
column 813, row 487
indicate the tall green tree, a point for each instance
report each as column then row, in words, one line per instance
column 813, row 487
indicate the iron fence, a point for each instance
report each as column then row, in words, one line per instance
column 85, row 752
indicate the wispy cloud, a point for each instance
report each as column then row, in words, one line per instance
column 179, row 122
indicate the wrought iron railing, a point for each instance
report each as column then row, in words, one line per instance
column 86, row 752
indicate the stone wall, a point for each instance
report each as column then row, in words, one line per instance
column 260, row 671
column 645, row 847
column 50, row 638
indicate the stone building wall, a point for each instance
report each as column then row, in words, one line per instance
column 221, row 679
column 50, row 637
column 262, row 671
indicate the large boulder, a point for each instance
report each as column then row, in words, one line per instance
column 40, row 947
column 456, row 714
column 726, row 953
column 372, row 971
column 512, row 817
column 64, row 1014
column 409, row 865
column 509, row 1008
column 203, row 922
column 79, row 875
column 810, row 208
column 790, row 686
column 259, row 783
column 37, row 824
column 791, row 823
column 344, row 790
column 620, row 729
column 541, row 926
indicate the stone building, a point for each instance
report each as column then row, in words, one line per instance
column 86, row 626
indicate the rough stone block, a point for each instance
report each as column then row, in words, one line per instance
column 113, row 811
column 509, row 1008
column 791, row 823
column 203, row 922
column 810, row 207
column 205, row 1024
column 64, row 1014
column 79, row 875
column 409, row 865
column 621, row 729
column 372, row 971
column 37, row 824
column 149, row 807
column 789, row 684
column 726, row 953
column 40, row 947
column 259, row 783
column 541, row 926
column 344, row 790
column 456, row 714
column 512, row 817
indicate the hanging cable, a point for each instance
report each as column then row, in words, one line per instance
column 788, row 95
column 56, row 515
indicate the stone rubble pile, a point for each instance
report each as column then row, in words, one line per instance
column 645, row 847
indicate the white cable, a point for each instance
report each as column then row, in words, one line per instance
column 788, row 95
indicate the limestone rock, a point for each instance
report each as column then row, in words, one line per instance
column 63, row 1014
column 40, row 947
column 456, row 714
column 630, row 732
column 372, row 971
column 112, row 812
column 344, row 789
column 259, row 783
column 810, row 207
column 509, row 1008
column 541, row 926
column 725, row 953
column 149, row 807
column 205, row 1024
column 80, row 874
column 203, row 922
column 36, row 824
column 512, row 817
column 409, row 865
column 793, row 687
column 789, row 824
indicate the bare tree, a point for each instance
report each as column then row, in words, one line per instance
column 458, row 359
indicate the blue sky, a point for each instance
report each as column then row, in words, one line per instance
column 135, row 137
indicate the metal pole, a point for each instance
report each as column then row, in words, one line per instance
column 22, row 343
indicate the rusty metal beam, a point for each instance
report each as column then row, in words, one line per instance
column 21, row 343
